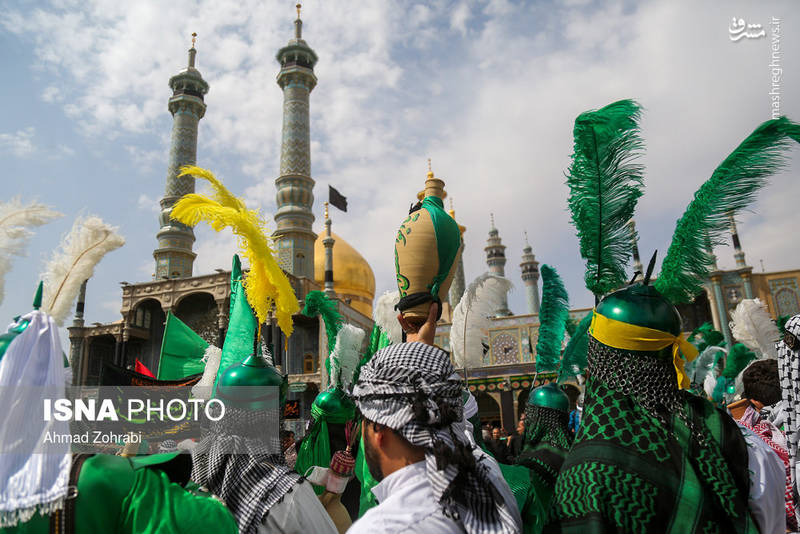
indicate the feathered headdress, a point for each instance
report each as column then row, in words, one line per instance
column 16, row 222
column 318, row 302
column 266, row 285
column 752, row 325
column 574, row 361
column 552, row 320
column 346, row 355
column 471, row 318
column 385, row 316
column 605, row 184
column 80, row 251
column 733, row 185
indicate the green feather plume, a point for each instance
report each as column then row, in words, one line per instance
column 553, row 315
column 738, row 358
column 605, row 183
column 574, row 361
column 733, row 186
column 318, row 302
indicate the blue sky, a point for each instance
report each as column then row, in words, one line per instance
column 488, row 89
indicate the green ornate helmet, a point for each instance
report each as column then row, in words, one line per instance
column 241, row 384
column 639, row 305
column 334, row 406
column 549, row 396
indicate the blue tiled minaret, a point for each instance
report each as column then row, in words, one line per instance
column 530, row 277
column 496, row 260
column 294, row 237
column 174, row 256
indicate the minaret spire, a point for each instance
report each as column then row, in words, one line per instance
column 294, row 217
column 496, row 260
column 328, row 244
column 174, row 257
column 530, row 276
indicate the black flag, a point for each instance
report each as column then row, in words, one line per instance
column 336, row 199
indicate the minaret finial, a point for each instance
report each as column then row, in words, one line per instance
column 298, row 6
column 526, row 238
column 491, row 217
column 192, row 51
column 324, row 203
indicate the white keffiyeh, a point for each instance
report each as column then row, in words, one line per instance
column 413, row 389
column 33, row 472
column 789, row 371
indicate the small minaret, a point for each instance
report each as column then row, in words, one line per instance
column 174, row 256
column 459, row 284
column 745, row 271
column 294, row 237
column 328, row 244
column 530, row 276
column 76, row 337
column 738, row 253
column 496, row 260
column 637, row 262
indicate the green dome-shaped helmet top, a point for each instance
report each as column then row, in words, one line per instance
column 641, row 305
column 549, row 396
column 241, row 385
column 334, row 406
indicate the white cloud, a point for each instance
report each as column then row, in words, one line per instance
column 147, row 203
column 19, row 143
column 52, row 94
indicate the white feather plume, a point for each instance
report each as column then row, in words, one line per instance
column 16, row 221
column 81, row 250
column 709, row 383
column 212, row 357
column 385, row 316
column 346, row 355
column 471, row 318
column 752, row 326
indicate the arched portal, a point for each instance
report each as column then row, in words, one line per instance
column 148, row 316
column 199, row 312
column 488, row 409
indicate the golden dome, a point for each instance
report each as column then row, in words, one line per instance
column 352, row 276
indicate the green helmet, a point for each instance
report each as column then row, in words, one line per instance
column 549, row 396
column 240, row 384
column 334, row 406
column 642, row 305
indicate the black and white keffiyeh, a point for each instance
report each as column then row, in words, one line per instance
column 413, row 389
column 249, row 475
column 789, row 371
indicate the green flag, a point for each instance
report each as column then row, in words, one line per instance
column 182, row 351
column 242, row 324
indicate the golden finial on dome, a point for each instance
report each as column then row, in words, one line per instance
column 194, row 38
column 298, row 6
column 430, row 170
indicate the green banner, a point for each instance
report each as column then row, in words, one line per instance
column 182, row 351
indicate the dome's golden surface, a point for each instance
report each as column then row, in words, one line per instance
column 352, row 276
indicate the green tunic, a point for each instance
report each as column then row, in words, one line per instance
column 117, row 494
column 627, row 472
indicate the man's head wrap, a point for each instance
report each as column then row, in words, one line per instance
column 413, row 389
column 789, row 371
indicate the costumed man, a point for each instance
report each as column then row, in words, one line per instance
column 546, row 441
column 650, row 457
column 240, row 458
column 789, row 370
column 332, row 409
column 431, row 477
column 45, row 488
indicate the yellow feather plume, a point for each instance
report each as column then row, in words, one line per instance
column 266, row 285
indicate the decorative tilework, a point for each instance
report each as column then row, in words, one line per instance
column 786, row 295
